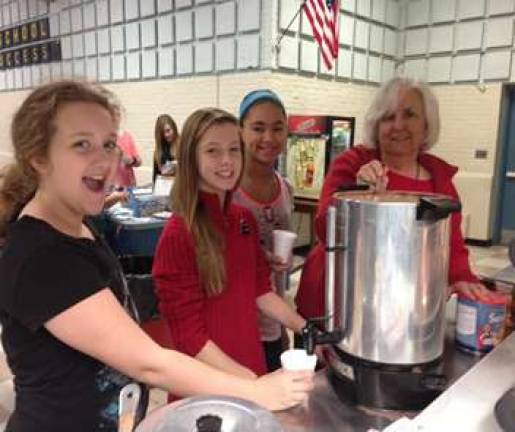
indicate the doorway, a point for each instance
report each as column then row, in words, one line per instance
column 505, row 223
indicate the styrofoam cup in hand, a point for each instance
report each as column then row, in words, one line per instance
column 283, row 243
column 298, row 359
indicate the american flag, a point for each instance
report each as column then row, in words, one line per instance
column 323, row 16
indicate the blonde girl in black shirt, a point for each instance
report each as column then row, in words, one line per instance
column 65, row 312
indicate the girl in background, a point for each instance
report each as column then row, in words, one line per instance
column 264, row 130
column 65, row 311
column 209, row 268
column 130, row 159
column 166, row 141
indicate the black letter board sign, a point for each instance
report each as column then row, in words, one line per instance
column 33, row 42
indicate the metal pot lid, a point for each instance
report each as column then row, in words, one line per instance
column 187, row 415
column 389, row 197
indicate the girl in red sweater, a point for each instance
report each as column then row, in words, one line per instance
column 209, row 269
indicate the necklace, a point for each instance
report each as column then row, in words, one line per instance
column 273, row 189
column 264, row 192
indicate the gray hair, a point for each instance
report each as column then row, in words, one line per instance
column 386, row 100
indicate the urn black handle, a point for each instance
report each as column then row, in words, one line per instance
column 435, row 208
column 349, row 187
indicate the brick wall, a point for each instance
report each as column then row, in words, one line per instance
column 9, row 102
column 469, row 120
column 469, row 123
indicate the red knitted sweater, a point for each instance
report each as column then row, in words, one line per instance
column 229, row 319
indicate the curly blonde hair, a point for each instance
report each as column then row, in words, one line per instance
column 32, row 130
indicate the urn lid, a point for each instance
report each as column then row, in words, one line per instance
column 210, row 414
column 428, row 206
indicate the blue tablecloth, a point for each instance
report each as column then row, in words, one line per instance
column 132, row 236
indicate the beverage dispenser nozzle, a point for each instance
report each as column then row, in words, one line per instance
column 312, row 336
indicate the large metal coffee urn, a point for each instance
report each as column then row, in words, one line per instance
column 387, row 260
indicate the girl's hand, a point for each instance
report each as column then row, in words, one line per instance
column 473, row 290
column 116, row 197
column 282, row 389
column 120, row 196
column 276, row 263
column 374, row 174
column 168, row 168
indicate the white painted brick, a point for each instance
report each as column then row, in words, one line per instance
column 470, row 122
column 469, row 117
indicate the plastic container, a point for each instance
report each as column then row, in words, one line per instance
column 508, row 290
column 145, row 204
column 480, row 323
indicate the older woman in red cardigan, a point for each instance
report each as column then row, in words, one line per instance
column 401, row 125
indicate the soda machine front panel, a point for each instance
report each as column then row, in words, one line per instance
column 306, row 164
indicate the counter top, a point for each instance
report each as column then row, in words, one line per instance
column 476, row 383
column 324, row 412
column 468, row 405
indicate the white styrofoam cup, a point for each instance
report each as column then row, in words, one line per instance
column 298, row 359
column 283, row 243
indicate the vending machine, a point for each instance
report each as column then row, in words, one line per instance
column 313, row 142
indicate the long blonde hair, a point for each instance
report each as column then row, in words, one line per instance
column 32, row 130
column 209, row 245
column 160, row 142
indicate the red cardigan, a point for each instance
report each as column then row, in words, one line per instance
column 229, row 319
column 310, row 296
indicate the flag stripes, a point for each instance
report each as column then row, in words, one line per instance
column 323, row 16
